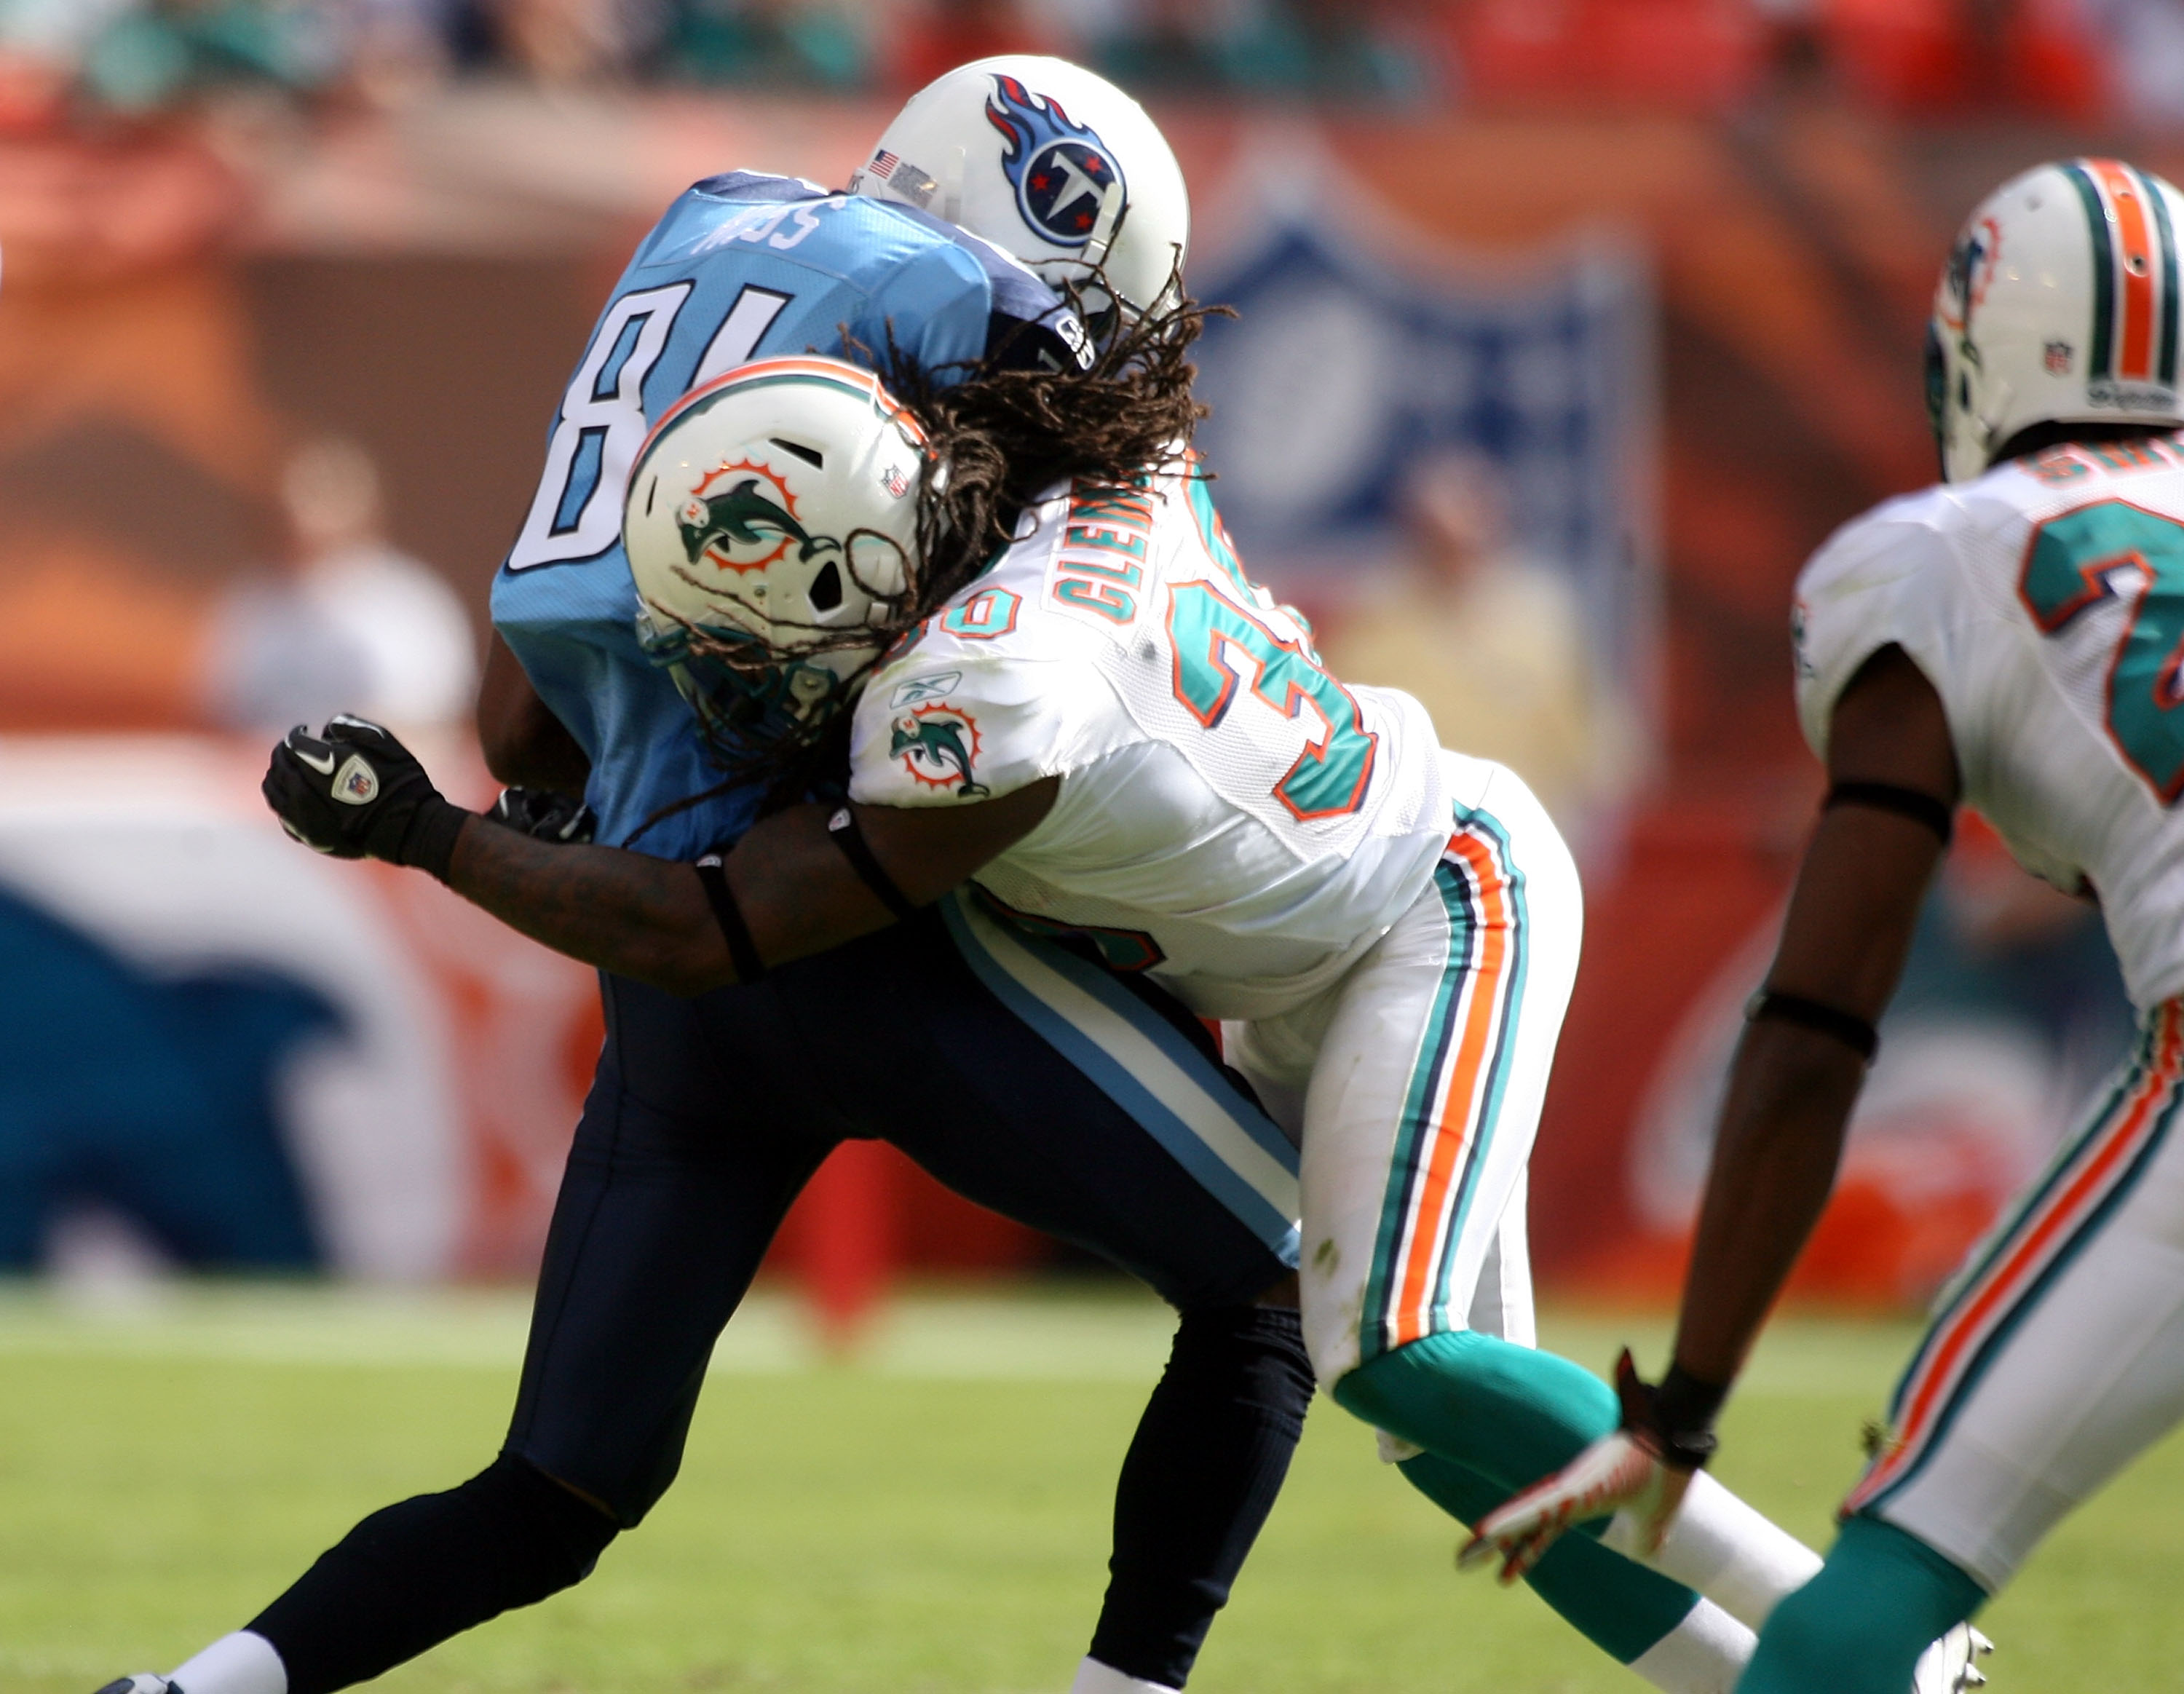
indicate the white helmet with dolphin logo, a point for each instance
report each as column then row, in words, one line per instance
column 776, row 505
column 1055, row 165
column 2059, row 304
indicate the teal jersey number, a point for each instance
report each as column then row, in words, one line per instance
column 1330, row 778
column 2072, row 564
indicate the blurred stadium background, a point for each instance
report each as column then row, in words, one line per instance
column 1568, row 327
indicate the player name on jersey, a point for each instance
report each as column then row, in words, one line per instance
column 1101, row 565
column 1234, row 820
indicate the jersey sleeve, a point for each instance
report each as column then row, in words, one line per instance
column 1882, row 580
column 936, row 727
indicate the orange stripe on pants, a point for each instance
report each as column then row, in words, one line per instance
column 1929, row 1391
column 1453, row 1128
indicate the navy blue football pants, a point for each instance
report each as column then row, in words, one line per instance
column 706, row 1118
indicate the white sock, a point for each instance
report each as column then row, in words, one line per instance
column 1092, row 1677
column 239, row 1663
column 1717, row 1544
column 1704, row 1654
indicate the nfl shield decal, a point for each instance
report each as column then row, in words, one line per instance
column 356, row 783
column 1059, row 169
column 939, row 745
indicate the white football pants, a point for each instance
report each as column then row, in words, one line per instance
column 1415, row 1082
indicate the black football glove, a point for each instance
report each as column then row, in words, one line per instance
column 544, row 814
column 358, row 793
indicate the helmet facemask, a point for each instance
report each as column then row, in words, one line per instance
column 771, row 525
column 756, row 672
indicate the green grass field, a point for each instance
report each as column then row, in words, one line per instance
column 933, row 1516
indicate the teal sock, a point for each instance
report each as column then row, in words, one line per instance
column 1858, row 1627
column 1494, row 1417
column 1511, row 1414
column 1621, row 1607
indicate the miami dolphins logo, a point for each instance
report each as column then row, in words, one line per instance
column 1059, row 169
column 1970, row 270
column 742, row 518
column 939, row 745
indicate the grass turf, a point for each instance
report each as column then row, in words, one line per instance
column 931, row 1518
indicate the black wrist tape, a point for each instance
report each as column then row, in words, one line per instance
column 1687, row 1406
column 842, row 829
column 1920, row 808
column 1673, row 1421
column 429, row 844
column 1846, row 1027
column 742, row 950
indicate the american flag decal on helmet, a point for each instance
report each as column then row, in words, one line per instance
column 882, row 165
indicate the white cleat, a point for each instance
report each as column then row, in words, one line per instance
column 1950, row 1666
column 143, row 1682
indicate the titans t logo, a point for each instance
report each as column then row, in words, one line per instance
column 1059, row 169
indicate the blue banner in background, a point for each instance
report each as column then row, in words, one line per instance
column 1351, row 361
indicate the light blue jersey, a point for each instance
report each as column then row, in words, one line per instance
column 741, row 267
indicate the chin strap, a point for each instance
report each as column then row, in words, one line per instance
column 1108, row 226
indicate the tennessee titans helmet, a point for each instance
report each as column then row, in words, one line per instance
column 1055, row 166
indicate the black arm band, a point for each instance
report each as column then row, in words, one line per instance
column 1920, row 808
column 750, row 968
column 1853, row 1031
column 842, row 826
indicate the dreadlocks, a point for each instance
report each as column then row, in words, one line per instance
column 1002, row 436
column 997, row 438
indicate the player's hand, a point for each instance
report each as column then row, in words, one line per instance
column 355, row 792
column 545, row 814
column 1642, row 1470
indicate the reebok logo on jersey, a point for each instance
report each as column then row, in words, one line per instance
column 919, row 688
column 938, row 746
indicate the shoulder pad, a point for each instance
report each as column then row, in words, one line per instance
column 757, row 185
column 1017, row 291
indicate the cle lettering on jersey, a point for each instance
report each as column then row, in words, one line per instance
column 1101, row 565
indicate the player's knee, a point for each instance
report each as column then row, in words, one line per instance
column 1263, row 1345
column 1512, row 1412
column 547, row 1534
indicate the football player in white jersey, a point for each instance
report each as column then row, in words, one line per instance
column 2010, row 640
column 1087, row 723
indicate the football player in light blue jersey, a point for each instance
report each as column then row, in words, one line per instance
column 743, row 266
column 710, row 1113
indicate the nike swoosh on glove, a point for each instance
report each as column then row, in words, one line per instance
column 355, row 792
column 1643, row 1468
